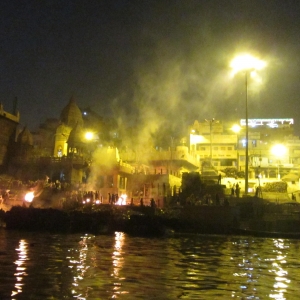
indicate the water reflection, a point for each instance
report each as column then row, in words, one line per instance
column 78, row 263
column 281, row 275
column 118, row 261
column 123, row 267
column 21, row 267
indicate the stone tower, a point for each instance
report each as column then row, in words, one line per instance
column 70, row 117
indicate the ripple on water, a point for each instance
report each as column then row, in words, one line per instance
column 44, row 266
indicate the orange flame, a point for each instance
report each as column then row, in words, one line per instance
column 122, row 200
column 29, row 196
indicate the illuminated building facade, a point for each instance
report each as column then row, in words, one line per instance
column 70, row 118
column 158, row 174
column 228, row 150
column 211, row 143
column 263, row 135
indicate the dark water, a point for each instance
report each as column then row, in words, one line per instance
column 47, row 266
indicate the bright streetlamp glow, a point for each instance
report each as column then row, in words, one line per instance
column 246, row 63
column 236, row 128
column 278, row 150
column 89, row 135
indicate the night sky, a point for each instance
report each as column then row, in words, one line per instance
column 155, row 63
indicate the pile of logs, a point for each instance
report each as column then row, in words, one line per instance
column 275, row 187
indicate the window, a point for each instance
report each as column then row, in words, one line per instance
column 122, row 182
column 227, row 162
column 200, row 148
column 223, row 148
column 229, row 148
column 110, row 181
column 59, row 152
column 100, row 182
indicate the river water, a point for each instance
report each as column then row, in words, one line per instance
column 83, row 266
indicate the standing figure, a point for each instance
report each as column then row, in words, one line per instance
column 232, row 190
column 152, row 203
column 113, row 199
column 237, row 190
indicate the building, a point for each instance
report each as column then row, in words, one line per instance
column 158, row 174
column 264, row 134
column 215, row 142
column 9, row 130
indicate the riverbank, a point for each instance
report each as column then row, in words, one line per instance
column 249, row 216
column 144, row 221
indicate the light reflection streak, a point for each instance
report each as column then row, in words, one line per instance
column 118, row 261
column 79, row 266
column 21, row 268
column 277, row 258
column 281, row 281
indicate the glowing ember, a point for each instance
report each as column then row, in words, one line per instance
column 121, row 200
column 29, row 196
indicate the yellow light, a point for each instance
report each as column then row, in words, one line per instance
column 89, row 135
column 236, row 128
column 278, row 150
column 246, row 62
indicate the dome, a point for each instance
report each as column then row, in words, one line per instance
column 71, row 114
column 25, row 137
column 63, row 129
column 76, row 135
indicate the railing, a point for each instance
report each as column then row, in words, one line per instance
column 51, row 160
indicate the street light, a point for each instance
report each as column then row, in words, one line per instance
column 279, row 151
column 210, row 131
column 246, row 63
column 89, row 135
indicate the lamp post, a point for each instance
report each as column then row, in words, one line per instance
column 247, row 64
column 210, row 131
column 247, row 136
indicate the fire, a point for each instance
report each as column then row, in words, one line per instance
column 121, row 200
column 29, row 196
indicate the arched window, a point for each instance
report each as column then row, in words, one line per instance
column 59, row 152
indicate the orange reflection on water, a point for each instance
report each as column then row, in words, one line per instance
column 117, row 254
column 20, row 269
column 281, row 281
column 118, row 261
